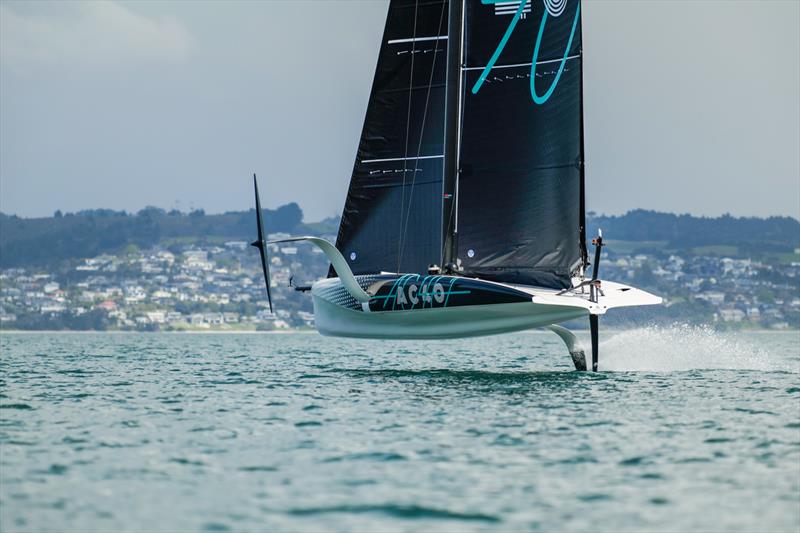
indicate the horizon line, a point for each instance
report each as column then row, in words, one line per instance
column 589, row 212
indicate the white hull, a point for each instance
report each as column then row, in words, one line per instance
column 438, row 323
column 441, row 306
column 412, row 306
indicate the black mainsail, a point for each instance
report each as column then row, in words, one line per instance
column 519, row 187
column 473, row 155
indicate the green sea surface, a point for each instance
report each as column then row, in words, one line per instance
column 685, row 429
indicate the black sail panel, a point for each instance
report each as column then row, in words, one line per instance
column 519, row 187
column 392, row 216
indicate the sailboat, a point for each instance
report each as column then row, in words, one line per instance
column 465, row 213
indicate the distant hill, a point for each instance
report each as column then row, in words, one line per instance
column 667, row 230
column 51, row 240
column 45, row 241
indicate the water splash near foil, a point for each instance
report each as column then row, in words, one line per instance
column 683, row 347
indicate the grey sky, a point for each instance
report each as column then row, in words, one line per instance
column 691, row 106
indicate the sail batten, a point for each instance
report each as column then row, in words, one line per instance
column 416, row 39
column 402, row 158
column 528, row 64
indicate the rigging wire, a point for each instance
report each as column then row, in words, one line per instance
column 404, row 224
column 408, row 126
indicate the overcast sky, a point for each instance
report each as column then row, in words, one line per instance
column 691, row 106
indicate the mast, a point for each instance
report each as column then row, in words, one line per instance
column 452, row 124
column 582, row 163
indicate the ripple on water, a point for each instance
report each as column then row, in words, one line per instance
column 398, row 511
column 595, row 497
column 77, row 372
column 308, row 423
column 187, row 461
column 636, row 461
column 19, row 406
column 54, row 470
column 215, row 526
column 652, row 475
column 368, row 456
column 258, row 468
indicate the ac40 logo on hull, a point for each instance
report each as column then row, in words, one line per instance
column 412, row 291
column 553, row 8
column 414, row 295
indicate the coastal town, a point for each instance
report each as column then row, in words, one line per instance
column 185, row 288
column 220, row 287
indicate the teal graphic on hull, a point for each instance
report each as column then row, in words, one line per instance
column 409, row 292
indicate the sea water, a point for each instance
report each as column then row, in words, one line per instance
column 684, row 429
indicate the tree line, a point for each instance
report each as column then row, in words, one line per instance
column 49, row 241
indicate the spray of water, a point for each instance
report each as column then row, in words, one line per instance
column 689, row 347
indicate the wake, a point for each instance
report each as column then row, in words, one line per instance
column 688, row 347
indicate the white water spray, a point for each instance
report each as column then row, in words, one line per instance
column 686, row 347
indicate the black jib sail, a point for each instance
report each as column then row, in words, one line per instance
column 520, row 212
column 392, row 215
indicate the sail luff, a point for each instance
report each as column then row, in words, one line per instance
column 451, row 129
column 583, row 250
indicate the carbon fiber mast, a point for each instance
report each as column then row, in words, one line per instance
column 594, row 325
column 582, row 163
column 452, row 118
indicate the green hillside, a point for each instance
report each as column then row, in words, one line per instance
column 50, row 240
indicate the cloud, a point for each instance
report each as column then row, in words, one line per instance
column 88, row 35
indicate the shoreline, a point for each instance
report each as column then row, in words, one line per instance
column 182, row 332
column 305, row 331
